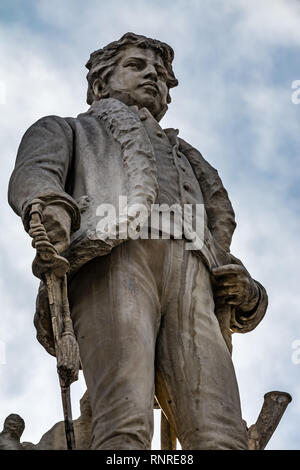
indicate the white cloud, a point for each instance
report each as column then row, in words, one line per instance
column 271, row 22
column 2, row 92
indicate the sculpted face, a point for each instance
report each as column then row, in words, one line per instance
column 140, row 79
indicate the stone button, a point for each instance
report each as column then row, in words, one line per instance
column 143, row 115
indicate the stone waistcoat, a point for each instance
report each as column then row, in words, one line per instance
column 177, row 183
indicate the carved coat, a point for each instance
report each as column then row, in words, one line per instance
column 93, row 159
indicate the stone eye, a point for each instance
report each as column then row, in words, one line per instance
column 135, row 65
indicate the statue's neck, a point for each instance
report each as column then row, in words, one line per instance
column 127, row 99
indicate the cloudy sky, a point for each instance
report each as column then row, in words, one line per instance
column 236, row 62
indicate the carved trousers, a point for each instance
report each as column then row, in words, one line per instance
column 145, row 323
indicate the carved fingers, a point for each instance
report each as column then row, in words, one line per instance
column 233, row 285
column 57, row 223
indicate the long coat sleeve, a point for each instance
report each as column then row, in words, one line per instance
column 42, row 166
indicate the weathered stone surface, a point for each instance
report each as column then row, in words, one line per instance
column 274, row 406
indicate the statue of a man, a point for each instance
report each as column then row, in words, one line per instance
column 149, row 314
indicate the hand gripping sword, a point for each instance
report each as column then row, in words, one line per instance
column 51, row 268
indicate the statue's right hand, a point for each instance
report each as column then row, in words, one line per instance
column 57, row 223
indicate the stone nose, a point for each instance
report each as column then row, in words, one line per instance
column 150, row 72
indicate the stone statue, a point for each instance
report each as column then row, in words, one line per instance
column 153, row 305
column 12, row 431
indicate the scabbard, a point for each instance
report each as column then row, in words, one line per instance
column 69, row 427
column 62, row 325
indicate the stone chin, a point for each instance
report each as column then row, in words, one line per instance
column 143, row 98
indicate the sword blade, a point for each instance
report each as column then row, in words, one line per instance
column 69, row 427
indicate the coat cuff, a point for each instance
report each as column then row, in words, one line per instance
column 49, row 198
column 242, row 322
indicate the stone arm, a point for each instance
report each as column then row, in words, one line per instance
column 43, row 163
column 221, row 222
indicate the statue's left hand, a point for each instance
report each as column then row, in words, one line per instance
column 233, row 285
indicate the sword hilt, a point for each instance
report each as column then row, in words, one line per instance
column 47, row 258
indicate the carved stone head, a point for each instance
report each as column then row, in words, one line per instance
column 14, row 426
column 136, row 70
